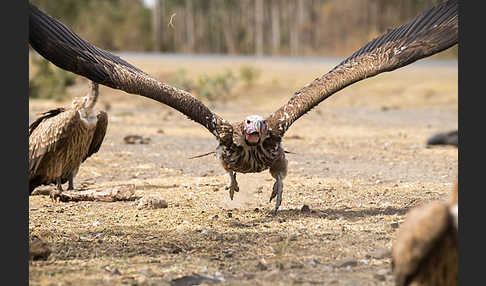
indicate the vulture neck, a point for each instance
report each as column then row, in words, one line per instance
column 92, row 96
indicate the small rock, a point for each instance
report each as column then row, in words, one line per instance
column 395, row 224
column 262, row 265
column 383, row 272
column 236, row 223
column 275, row 239
column 228, row 253
column 345, row 262
column 381, row 253
column 379, row 277
column 193, row 280
column 305, row 209
column 151, row 202
column 136, row 139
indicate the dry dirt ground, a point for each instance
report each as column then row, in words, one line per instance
column 360, row 164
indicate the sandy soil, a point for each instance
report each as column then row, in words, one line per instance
column 360, row 164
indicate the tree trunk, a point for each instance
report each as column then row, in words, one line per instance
column 275, row 27
column 190, row 27
column 156, row 25
column 259, row 27
column 294, row 27
column 227, row 31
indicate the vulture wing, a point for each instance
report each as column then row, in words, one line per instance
column 50, row 134
column 99, row 134
column 45, row 115
column 58, row 44
column 431, row 32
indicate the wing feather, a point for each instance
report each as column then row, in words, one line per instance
column 429, row 33
column 58, row 44
column 44, row 116
column 49, row 135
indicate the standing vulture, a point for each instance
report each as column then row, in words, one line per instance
column 254, row 144
column 425, row 251
column 63, row 138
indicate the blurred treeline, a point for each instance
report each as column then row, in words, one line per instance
column 260, row 27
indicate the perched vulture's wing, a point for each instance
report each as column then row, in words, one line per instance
column 427, row 34
column 58, row 44
column 45, row 115
column 99, row 134
column 50, row 134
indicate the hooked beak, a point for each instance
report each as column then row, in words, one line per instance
column 255, row 127
column 253, row 132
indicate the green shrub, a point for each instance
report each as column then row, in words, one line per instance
column 181, row 81
column 249, row 74
column 216, row 87
column 49, row 82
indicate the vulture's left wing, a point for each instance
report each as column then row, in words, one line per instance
column 429, row 33
column 58, row 44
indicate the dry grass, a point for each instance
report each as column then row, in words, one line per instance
column 361, row 163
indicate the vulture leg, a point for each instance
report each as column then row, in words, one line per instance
column 71, row 184
column 71, row 179
column 57, row 191
column 233, row 185
column 277, row 191
column 278, row 171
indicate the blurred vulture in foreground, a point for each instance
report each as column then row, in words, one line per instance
column 426, row 248
column 63, row 138
column 253, row 144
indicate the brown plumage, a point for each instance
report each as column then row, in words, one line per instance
column 254, row 144
column 426, row 248
column 63, row 138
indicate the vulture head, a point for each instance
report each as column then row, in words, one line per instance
column 255, row 129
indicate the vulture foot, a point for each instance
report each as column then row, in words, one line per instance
column 54, row 194
column 233, row 186
column 277, row 192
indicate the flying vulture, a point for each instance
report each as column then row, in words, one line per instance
column 255, row 143
column 425, row 251
column 63, row 138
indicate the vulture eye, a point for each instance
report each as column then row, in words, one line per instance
column 247, row 121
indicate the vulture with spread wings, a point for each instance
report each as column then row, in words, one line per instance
column 254, row 144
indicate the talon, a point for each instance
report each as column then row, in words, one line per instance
column 274, row 192
column 277, row 192
column 233, row 186
column 54, row 194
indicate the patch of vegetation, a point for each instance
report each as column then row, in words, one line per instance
column 210, row 87
column 181, row 81
column 249, row 74
column 49, row 82
column 217, row 86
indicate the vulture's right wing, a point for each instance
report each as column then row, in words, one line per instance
column 58, row 44
column 425, row 35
